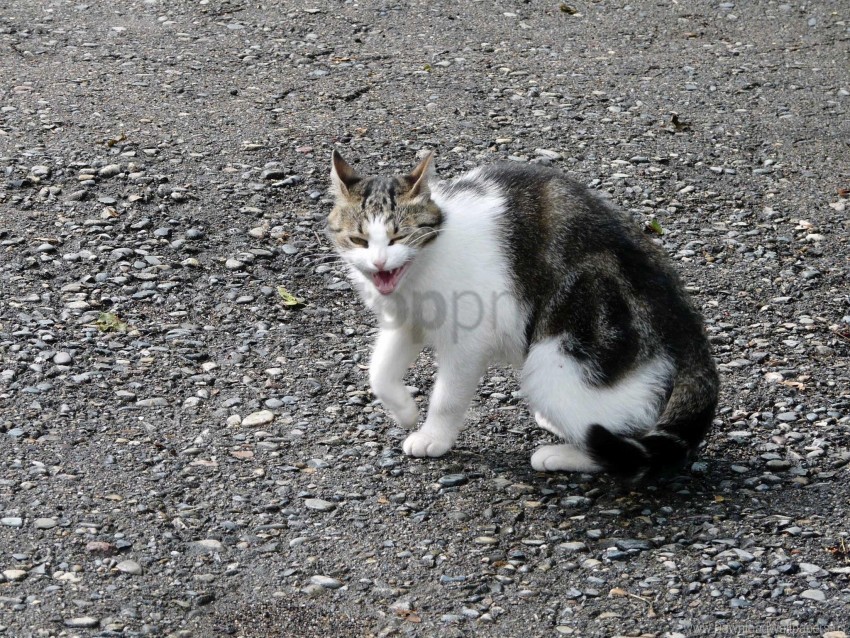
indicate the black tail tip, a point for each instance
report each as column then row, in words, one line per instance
column 636, row 459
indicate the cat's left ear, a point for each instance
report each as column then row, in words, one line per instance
column 343, row 176
column 420, row 176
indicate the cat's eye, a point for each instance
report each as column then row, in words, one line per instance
column 359, row 241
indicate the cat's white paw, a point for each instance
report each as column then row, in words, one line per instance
column 422, row 443
column 562, row 458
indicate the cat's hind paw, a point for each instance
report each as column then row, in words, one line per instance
column 421, row 443
column 562, row 458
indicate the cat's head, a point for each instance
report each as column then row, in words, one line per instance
column 379, row 225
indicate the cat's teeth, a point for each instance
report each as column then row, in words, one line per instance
column 387, row 280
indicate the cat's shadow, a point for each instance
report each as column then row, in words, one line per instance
column 712, row 482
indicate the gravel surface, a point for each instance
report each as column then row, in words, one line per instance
column 185, row 452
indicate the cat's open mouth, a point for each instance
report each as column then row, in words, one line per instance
column 387, row 280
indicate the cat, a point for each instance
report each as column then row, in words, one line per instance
column 518, row 264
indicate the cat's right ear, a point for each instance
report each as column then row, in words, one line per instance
column 420, row 176
column 343, row 177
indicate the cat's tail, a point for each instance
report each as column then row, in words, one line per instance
column 680, row 429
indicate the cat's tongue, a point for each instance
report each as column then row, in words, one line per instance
column 387, row 280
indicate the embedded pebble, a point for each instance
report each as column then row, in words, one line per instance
column 262, row 417
column 326, row 582
column 110, row 170
column 319, row 504
column 82, row 622
column 129, row 567
column 14, row 574
column 814, row 594
column 453, row 480
column 62, row 359
column 208, row 545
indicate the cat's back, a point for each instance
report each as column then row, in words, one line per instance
column 542, row 208
column 541, row 197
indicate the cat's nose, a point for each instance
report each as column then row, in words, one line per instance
column 380, row 263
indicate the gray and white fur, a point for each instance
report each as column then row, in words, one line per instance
column 515, row 263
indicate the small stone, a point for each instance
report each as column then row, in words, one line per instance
column 572, row 547
column 835, row 634
column 82, row 622
column 814, row 594
column 575, row 501
column 547, row 153
column 234, row 420
column 110, row 170
column 14, row 574
column 319, row 504
column 194, row 234
column 233, row 264
column 129, row 567
column 100, row 547
column 12, row 521
column 486, row 540
column 152, row 402
column 258, row 418
column 273, row 173
column 44, row 523
column 632, row 544
column 453, row 480
column 208, row 545
column 743, row 555
column 326, row 582
column 778, row 464
column 62, row 359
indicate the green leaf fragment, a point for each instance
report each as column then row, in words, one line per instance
column 289, row 300
column 655, row 226
column 109, row 322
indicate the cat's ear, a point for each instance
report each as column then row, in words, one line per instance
column 343, row 177
column 420, row 176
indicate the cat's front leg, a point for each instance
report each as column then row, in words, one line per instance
column 456, row 383
column 395, row 350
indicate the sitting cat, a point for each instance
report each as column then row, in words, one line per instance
column 516, row 263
